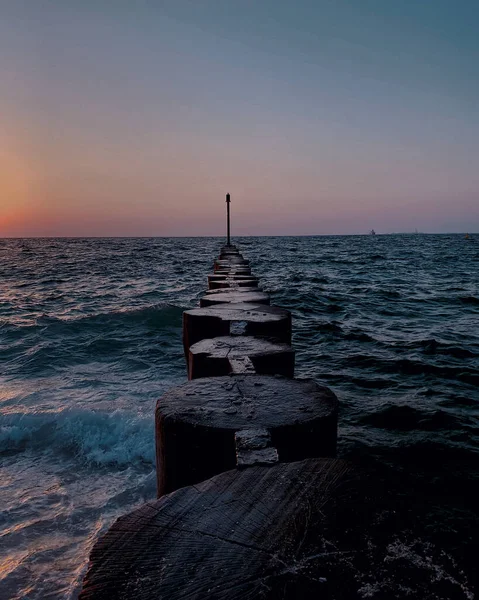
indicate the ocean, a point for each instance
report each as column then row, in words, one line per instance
column 90, row 338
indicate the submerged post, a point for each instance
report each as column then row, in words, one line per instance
column 228, row 201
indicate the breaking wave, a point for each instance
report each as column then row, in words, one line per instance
column 95, row 437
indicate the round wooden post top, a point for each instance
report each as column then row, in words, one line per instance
column 265, row 532
column 258, row 320
column 242, row 311
column 309, row 530
column 243, row 401
column 233, row 286
column 239, row 354
column 236, row 296
column 216, row 277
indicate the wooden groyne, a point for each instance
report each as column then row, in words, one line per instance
column 243, row 420
column 252, row 502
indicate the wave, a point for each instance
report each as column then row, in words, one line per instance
column 408, row 418
column 406, row 366
column 136, row 338
column 388, row 293
column 326, row 327
column 156, row 315
column 447, row 300
column 432, row 346
column 358, row 335
column 95, row 437
column 371, row 383
column 318, row 279
column 469, row 300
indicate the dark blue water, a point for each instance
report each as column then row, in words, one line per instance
column 90, row 337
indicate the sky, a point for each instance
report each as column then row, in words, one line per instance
column 122, row 118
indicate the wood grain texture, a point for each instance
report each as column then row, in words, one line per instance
column 234, row 286
column 239, row 354
column 226, row 254
column 313, row 530
column 232, row 282
column 263, row 532
column 232, row 261
column 233, row 271
column 196, row 424
column 225, row 297
column 247, row 318
column 219, row 277
column 227, row 264
column 216, row 280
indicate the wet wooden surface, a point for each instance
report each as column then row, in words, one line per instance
column 239, row 354
column 233, row 282
column 244, row 318
column 236, row 296
column 196, row 424
column 235, row 287
column 264, row 532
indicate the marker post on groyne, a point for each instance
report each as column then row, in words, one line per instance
column 241, row 418
column 228, row 224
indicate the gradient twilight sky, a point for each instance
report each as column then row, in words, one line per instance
column 318, row 116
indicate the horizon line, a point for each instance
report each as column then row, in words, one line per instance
column 145, row 237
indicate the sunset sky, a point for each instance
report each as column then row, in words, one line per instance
column 123, row 118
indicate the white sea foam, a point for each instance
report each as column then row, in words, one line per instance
column 96, row 437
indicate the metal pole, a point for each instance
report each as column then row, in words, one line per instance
column 228, row 201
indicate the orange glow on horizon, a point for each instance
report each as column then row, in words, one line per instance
column 16, row 180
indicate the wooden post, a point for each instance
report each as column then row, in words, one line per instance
column 228, row 202
column 243, row 318
column 234, row 287
column 239, row 354
column 311, row 530
column 290, row 531
column 227, row 297
column 232, row 282
column 232, row 262
column 201, row 425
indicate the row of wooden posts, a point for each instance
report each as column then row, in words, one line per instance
column 244, row 461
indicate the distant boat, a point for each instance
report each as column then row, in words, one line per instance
column 372, row 232
column 467, row 236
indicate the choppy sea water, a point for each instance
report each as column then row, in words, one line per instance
column 90, row 337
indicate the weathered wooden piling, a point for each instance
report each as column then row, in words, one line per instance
column 215, row 278
column 234, row 271
column 228, row 297
column 220, row 277
column 232, row 288
column 232, row 282
column 196, row 424
column 310, row 530
column 232, row 258
column 265, row 532
column 227, row 265
column 235, row 265
column 242, row 533
column 228, row 283
column 239, row 354
column 230, row 253
column 233, row 319
column 227, row 247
